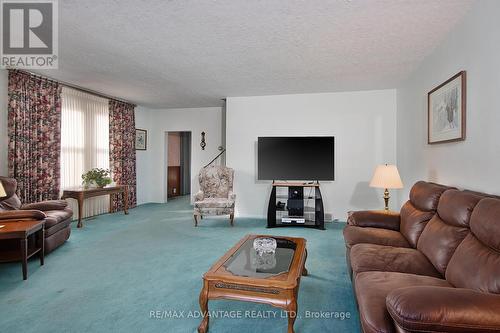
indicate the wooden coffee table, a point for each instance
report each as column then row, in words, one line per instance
column 22, row 230
column 238, row 275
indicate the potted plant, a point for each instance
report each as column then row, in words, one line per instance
column 96, row 177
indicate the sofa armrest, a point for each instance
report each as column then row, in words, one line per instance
column 46, row 205
column 441, row 309
column 374, row 218
column 199, row 196
column 232, row 196
column 21, row 215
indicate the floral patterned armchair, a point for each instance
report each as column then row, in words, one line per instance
column 216, row 195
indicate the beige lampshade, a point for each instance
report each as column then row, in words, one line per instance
column 2, row 191
column 386, row 176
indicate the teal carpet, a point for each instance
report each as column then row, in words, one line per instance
column 142, row 273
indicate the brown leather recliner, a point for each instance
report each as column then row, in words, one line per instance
column 449, row 283
column 437, row 242
column 56, row 214
column 395, row 229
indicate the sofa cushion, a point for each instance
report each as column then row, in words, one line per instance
column 372, row 289
column 9, row 185
column 11, row 203
column 446, row 230
column 438, row 309
column 413, row 222
column 372, row 257
column 455, row 207
column 55, row 217
column 358, row 235
column 439, row 241
column 425, row 196
column 485, row 224
column 214, row 203
column 476, row 262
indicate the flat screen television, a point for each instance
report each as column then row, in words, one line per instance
column 296, row 158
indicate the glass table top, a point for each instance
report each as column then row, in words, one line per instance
column 246, row 262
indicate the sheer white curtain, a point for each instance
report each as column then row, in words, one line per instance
column 84, row 143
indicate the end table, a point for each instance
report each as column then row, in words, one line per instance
column 21, row 230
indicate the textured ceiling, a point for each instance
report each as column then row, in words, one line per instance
column 192, row 53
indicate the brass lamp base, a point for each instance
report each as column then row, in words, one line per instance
column 386, row 199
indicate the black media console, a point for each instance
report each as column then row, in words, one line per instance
column 296, row 205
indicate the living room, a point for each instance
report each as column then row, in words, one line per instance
column 336, row 167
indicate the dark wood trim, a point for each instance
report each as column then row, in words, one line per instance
column 173, row 181
column 463, row 76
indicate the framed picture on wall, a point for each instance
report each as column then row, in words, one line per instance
column 141, row 139
column 446, row 110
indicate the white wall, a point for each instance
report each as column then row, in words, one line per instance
column 3, row 122
column 363, row 124
column 151, row 164
column 474, row 46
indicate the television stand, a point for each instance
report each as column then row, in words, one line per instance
column 296, row 204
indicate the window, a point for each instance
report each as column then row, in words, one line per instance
column 84, row 143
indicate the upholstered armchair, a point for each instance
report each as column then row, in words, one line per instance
column 216, row 195
column 56, row 214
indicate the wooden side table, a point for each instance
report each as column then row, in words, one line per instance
column 80, row 194
column 22, row 230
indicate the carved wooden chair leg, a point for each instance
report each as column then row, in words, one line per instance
column 304, row 271
column 203, row 299
column 231, row 217
column 292, row 315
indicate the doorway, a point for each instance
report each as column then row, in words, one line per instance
column 178, row 164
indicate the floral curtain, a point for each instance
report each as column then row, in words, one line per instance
column 34, row 130
column 122, row 150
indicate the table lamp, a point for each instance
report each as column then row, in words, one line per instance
column 386, row 176
column 2, row 191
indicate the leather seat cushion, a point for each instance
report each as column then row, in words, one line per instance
column 359, row 235
column 55, row 217
column 373, row 257
column 214, row 203
column 372, row 289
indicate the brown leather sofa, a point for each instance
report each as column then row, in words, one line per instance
column 445, row 278
column 56, row 214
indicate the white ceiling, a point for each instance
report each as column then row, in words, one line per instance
column 192, row 53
